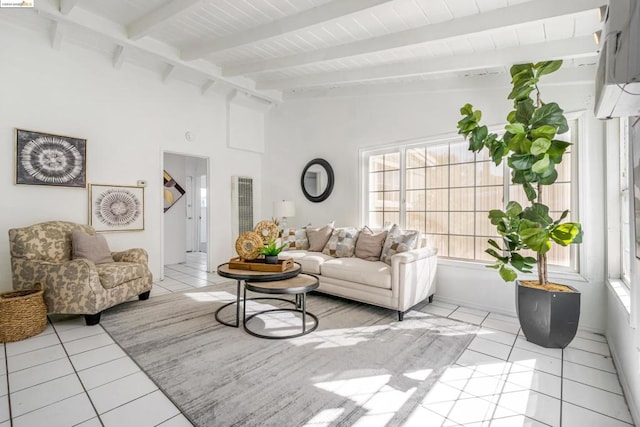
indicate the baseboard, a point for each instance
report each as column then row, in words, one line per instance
column 628, row 395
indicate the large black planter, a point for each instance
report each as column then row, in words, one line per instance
column 548, row 318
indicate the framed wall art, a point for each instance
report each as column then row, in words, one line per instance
column 116, row 207
column 172, row 191
column 46, row 159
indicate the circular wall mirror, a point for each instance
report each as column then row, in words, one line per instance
column 317, row 180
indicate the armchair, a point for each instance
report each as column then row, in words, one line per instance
column 42, row 253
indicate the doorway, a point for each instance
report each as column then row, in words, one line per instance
column 185, row 233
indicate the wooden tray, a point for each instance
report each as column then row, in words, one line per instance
column 259, row 265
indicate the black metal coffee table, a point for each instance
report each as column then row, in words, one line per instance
column 254, row 276
column 298, row 286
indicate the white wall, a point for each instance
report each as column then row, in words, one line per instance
column 128, row 117
column 335, row 128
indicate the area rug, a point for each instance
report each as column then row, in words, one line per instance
column 361, row 366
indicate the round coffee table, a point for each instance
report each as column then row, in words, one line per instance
column 255, row 276
column 298, row 286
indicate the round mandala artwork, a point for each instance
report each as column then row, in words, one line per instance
column 117, row 207
column 51, row 159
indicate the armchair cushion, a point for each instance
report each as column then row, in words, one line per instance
column 47, row 241
column 116, row 273
column 92, row 247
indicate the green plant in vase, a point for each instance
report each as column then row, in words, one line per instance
column 532, row 153
column 271, row 251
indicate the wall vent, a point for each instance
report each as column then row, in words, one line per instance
column 242, row 202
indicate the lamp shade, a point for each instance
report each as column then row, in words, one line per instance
column 284, row 209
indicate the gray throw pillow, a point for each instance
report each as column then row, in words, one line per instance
column 398, row 241
column 295, row 239
column 93, row 247
column 318, row 237
column 369, row 244
column 342, row 242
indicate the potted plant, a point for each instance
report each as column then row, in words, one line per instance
column 271, row 251
column 548, row 312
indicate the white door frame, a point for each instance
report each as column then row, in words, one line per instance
column 161, row 207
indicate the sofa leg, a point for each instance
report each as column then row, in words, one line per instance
column 400, row 316
column 144, row 296
column 92, row 319
column 430, row 299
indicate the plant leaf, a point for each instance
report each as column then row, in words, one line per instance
column 541, row 165
column 496, row 255
column 547, row 67
column 524, row 111
column 550, row 114
column 565, row 234
column 538, row 213
column 544, row 131
column 466, row 110
column 529, row 191
column 494, row 244
column 540, row 146
column 537, row 239
column 521, row 161
column 507, row 274
column 515, row 128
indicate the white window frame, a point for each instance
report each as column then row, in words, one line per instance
column 572, row 272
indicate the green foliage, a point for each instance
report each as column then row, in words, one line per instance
column 532, row 154
column 272, row 248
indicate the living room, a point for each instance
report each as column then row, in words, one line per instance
column 68, row 68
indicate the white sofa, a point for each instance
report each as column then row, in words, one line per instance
column 409, row 279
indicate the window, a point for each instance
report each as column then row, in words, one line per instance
column 446, row 191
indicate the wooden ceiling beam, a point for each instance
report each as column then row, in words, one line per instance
column 559, row 49
column 314, row 16
column 532, row 11
column 145, row 24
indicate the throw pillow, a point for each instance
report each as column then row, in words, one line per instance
column 398, row 241
column 369, row 244
column 93, row 247
column 295, row 239
column 342, row 242
column 318, row 237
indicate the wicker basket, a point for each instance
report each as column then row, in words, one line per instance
column 22, row 314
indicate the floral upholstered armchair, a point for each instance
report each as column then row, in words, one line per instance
column 42, row 253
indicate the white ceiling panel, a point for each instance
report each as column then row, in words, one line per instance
column 325, row 43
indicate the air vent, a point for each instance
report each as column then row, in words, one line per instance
column 242, row 202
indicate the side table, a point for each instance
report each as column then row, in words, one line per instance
column 255, row 276
column 298, row 286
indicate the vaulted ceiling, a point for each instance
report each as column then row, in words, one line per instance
column 279, row 49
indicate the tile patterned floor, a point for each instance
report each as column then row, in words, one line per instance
column 76, row 375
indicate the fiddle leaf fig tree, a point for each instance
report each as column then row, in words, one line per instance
column 532, row 153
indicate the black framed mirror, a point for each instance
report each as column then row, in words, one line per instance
column 317, row 180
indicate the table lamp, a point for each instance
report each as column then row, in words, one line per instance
column 284, row 209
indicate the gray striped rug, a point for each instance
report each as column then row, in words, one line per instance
column 361, row 366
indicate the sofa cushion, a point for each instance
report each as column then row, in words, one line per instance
column 369, row 244
column 295, row 239
column 93, row 247
column 398, row 241
column 116, row 273
column 309, row 261
column 372, row 273
column 342, row 242
column 318, row 237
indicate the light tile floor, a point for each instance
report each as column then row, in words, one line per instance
column 76, row 375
